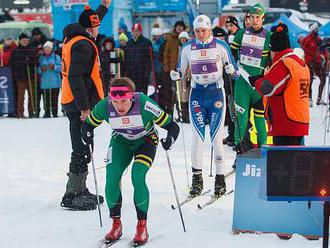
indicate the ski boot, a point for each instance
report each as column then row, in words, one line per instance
column 141, row 235
column 115, row 232
column 78, row 201
column 93, row 197
column 197, row 185
column 229, row 141
column 219, row 186
column 76, row 197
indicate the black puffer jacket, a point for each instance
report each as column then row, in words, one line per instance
column 82, row 61
column 23, row 62
column 138, row 54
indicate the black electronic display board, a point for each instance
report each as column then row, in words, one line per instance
column 298, row 174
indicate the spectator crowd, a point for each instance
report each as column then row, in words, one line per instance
column 35, row 64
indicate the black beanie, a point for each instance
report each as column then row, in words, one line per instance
column 23, row 36
column 233, row 20
column 88, row 18
column 180, row 23
column 36, row 31
column 219, row 32
column 279, row 39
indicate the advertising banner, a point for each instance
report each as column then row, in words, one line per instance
column 7, row 99
column 142, row 6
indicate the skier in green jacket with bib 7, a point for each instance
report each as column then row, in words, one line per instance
column 251, row 48
column 132, row 116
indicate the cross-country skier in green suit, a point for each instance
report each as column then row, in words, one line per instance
column 251, row 48
column 132, row 116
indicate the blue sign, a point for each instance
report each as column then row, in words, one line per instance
column 159, row 5
column 7, row 100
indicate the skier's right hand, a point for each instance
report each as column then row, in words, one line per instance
column 87, row 133
column 175, row 75
column 230, row 69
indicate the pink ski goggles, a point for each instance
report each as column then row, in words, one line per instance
column 121, row 92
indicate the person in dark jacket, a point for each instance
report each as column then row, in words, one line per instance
column 38, row 39
column 22, row 64
column 81, row 90
column 170, row 60
column 109, row 61
column 138, row 54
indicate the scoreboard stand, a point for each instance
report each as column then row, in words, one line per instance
column 253, row 214
column 326, row 215
column 298, row 173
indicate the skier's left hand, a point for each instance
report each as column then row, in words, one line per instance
column 230, row 69
column 167, row 142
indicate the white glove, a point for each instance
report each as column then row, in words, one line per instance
column 175, row 75
column 230, row 69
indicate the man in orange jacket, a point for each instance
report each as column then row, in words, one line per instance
column 81, row 90
column 285, row 88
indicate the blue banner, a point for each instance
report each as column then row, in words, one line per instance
column 160, row 5
column 7, row 101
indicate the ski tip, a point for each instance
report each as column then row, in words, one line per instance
column 173, row 207
column 137, row 244
column 106, row 243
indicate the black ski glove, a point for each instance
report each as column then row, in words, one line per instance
column 172, row 134
column 244, row 146
column 167, row 142
column 253, row 79
column 87, row 133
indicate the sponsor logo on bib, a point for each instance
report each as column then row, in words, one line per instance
column 126, row 121
column 153, row 109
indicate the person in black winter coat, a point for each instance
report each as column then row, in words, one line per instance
column 38, row 38
column 137, row 59
column 81, row 90
column 22, row 62
column 107, row 50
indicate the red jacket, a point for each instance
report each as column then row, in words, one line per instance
column 277, row 78
column 6, row 53
column 310, row 45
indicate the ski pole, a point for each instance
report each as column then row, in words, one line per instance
column 175, row 191
column 181, row 121
column 95, row 182
column 36, row 99
column 211, row 175
column 30, row 89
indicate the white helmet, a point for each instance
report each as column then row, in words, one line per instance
column 202, row 21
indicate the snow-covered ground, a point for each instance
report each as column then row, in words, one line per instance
column 34, row 158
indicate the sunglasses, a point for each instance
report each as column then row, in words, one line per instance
column 115, row 93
